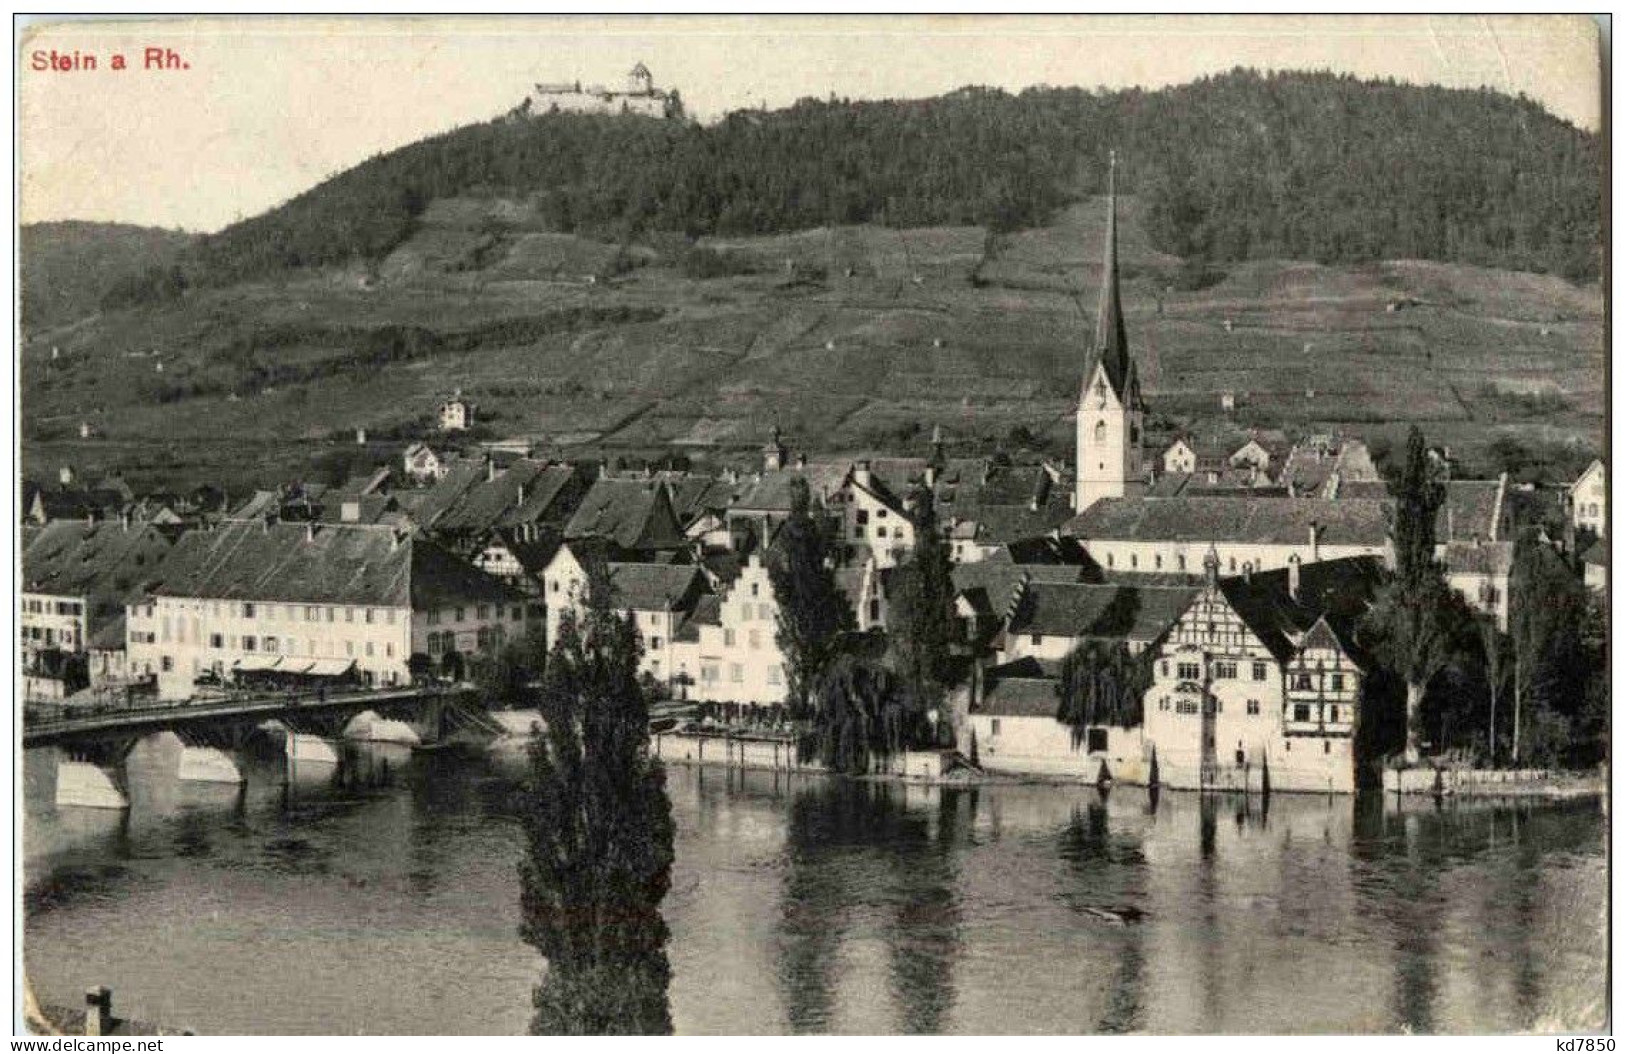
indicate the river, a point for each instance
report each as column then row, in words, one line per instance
column 806, row 904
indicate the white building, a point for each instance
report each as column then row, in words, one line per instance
column 1261, row 673
column 1588, row 500
column 77, row 576
column 659, row 597
column 422, row 465
column 638, row 96
column 456, row 414
column 312, row 602
column 728, row 651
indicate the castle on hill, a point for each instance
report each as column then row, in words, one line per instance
column 638, row 96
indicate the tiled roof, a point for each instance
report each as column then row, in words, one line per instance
column 652, row 587
column 634, row 514
column 107, row 563
column 327, row 565
column 988, row 584
column 1596, row 554
column 522, row 493
column 1224, row 518
column 1045, row 550
column 1468, row 511
column 707, row 612
column 1482, row 558
column 1019, row 697
column 1115, row 612
column 1338, row 590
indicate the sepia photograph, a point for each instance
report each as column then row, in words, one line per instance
column 981, row 525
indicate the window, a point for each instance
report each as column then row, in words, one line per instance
column 517, row 614
column 727, row 638
column 654, row 643
column 1303, row 683
column 995, row 726
column 311, row 614
column 1185, row 706
column 755, row 639
column 369, row 649
column 1333, row 718
column 248, row 611
column 1252, row 708
column 880, row 514
column 434, row 616
column 1159, row 561
column 369, row 616
column 248, row 643
column 389, row 616
column 1224, row 671
column 736, row 673
column 1300, row 712
column 1097, row 739
column 553, row 586
column 166, row 664
column 775, row 675
column 482, row 612
column 271, row 644
column 1337, row 684
column 1328, row 746
column 434, row 644
column 880, row 532
column 874, row 611
column 1165, row 667
column 1133, row 560
column 1190, row 671
column 708, row 674
column 1260, row 671
column 1182, row 561
column 1109, row 561
column 330, row 614
column 1100, row 431
column 857, row 532
column 862, row 516
column 349, row 614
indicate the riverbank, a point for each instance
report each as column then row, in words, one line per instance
column 775, row 753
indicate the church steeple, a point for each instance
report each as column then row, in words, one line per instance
column 1111, row 338
column 1110, row 410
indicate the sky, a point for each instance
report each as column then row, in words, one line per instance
column 265, row 108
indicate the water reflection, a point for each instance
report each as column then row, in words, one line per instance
column 384, row 899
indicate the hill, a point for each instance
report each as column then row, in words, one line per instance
column 851, row 337
column 68, row 267
column 1236, row 167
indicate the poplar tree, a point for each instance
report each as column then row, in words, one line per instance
column 813, row 613
column 598, row 834
column 922, row 609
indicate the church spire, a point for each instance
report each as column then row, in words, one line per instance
column 1110, row 344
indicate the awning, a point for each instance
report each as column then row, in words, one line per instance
column 256, row 663
column 330, row 667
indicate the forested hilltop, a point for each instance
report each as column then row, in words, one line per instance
column 1239, row 166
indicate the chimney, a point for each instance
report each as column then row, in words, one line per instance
column 65, row 475
column 1247, row 572
column 490, row 468
column 124, row 519
column 1210, row 567
column 1314, row 541
column 801, row 460
column 1293, row 565
column 98, row 1011
column 519, row 496
column 310, row 530
column 1449, row 524
column 861, row 474
column 360, row 437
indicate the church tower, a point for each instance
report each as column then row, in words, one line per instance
column 1110, row 414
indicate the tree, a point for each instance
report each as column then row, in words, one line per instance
column 1549, row 661
column 921, row 621
column 861, row 715
column 813, row 612
column 598, row 834
column 1493, row 644
column 504, row 673
column 1101, row 683
column 1414, row 615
